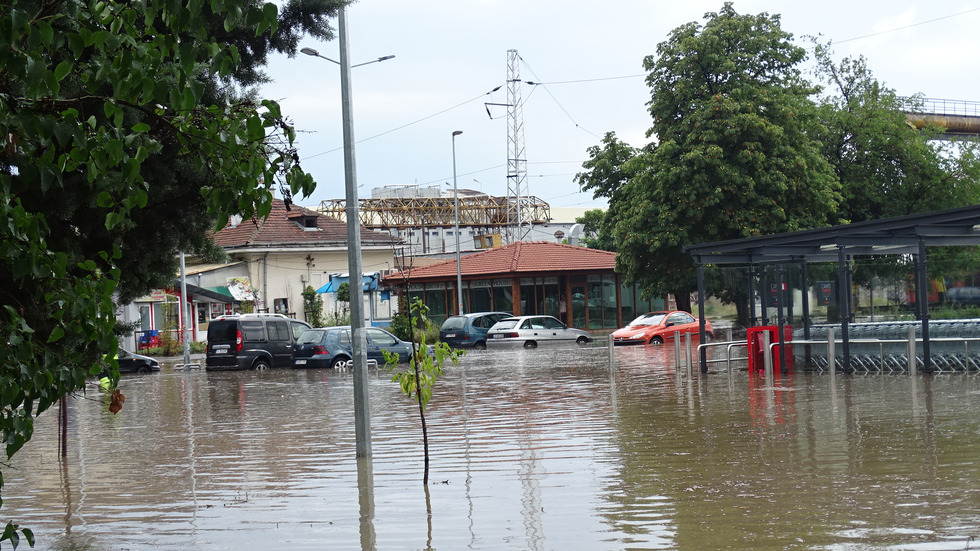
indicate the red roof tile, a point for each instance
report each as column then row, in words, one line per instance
column 284, row 228
column 517, row 258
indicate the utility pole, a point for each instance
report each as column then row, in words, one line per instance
column 517, row 187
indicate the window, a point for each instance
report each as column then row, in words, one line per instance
column 379, row 337
column 253, row 330
column 554, row 324
column 278, row 330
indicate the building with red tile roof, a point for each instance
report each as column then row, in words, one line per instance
column 577, row 285
column 296, row 247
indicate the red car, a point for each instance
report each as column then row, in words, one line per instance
column 659, row 327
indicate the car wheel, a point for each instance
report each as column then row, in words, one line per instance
column 480, row 345
column 582, row 341
column 339, row 361
column 260, row 365
column 530, row 344
column 656, row 340
column 143, row 369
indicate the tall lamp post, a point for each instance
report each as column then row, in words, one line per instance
column 362, row 418
column 459, row 270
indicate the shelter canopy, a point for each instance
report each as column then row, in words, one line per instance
column 888, row 236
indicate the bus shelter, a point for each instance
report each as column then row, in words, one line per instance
column 910, row 235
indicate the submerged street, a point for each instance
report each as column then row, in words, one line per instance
column 530, row 449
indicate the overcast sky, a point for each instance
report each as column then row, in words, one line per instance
column 451, row 53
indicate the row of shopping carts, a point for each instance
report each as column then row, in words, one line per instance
column 884, row 346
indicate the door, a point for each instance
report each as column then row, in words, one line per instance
column 559, row 330
column 683, row 322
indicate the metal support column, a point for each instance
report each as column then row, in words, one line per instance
column 924, row 309
column 780, row 320
column 844, row 299
column 703, row 356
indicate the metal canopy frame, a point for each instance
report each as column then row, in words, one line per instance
column 901, row 235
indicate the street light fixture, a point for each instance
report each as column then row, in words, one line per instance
column 459, row 270
column 314, row 53
column 362, row 419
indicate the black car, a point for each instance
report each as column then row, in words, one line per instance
column 135, row 363
column 331, row 346
column 469, row 330
column 252, row 341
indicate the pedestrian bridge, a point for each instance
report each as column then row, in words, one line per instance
column 957, row 118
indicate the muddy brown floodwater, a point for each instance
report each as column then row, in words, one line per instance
column 537, row 449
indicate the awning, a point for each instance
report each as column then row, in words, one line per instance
column 220, row 294
column 336, row 280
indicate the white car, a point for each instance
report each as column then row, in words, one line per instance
column 534, row 331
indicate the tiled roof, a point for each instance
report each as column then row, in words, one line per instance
column 284, row 228
column 517, row 258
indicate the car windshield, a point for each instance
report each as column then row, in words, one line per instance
column 653, row 318
column 506, row 324
column 453, row 323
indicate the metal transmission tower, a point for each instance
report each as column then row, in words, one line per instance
column 517, row 189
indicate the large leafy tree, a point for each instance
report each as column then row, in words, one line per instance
column 733, row 156
column 126, row 134
column 607, row 171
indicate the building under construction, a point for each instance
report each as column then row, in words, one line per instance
column 424, row 217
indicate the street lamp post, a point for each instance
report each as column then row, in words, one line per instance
column 459, row 270
column 362, row 418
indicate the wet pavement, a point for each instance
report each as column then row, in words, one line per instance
column 537, row 449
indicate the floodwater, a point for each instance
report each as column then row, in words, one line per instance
column 538, row 449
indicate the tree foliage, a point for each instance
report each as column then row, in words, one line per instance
column 122, row 141
column 732, row 157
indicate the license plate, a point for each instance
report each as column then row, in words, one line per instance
column 220, row 351
column 498, row 336
column 300, row 362
column 450, row 335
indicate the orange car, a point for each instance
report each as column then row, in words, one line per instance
column 659, row 327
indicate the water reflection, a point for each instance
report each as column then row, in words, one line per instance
column 543, row 449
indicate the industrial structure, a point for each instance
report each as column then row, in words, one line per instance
column 956, row 118
column 411, row 212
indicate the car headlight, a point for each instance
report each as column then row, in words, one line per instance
column 638, row 336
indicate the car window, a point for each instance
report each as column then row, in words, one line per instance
column 537, row 323
column 298, row 328
column 222, row 331
column 253, row 330
column 453, row 323
column 379, row 337
column 310, row 336
column 680, row 317
column 554, row 324
column 526, row 324
column 505, row 324
column 345, row 337
column 278, row 330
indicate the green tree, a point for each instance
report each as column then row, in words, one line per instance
column 733, row 157
column 313, row 306
column 123, row 141
column 885, row 166
column 608, row 169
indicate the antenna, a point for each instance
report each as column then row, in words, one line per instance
column 517, row 187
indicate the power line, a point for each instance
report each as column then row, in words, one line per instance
column 907, row 26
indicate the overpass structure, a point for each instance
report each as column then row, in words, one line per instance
column 957, row 118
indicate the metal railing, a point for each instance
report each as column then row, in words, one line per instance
column 936, row 106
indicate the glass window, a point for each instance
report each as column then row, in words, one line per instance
column 297, row 328
column 253, row 330
column 578, row 306
column 528, row 306
column 503, row 299
column 554, row 324
column 379, row 337
column 628, row 292
column 278, row 331
column 435, row 299
column 481, row 299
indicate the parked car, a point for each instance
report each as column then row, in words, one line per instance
column 331, row 346
column 534, row 331
column 469, row 330
column 961, row 297
column 659, row 328
column 135, row 363
column 252, row 341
